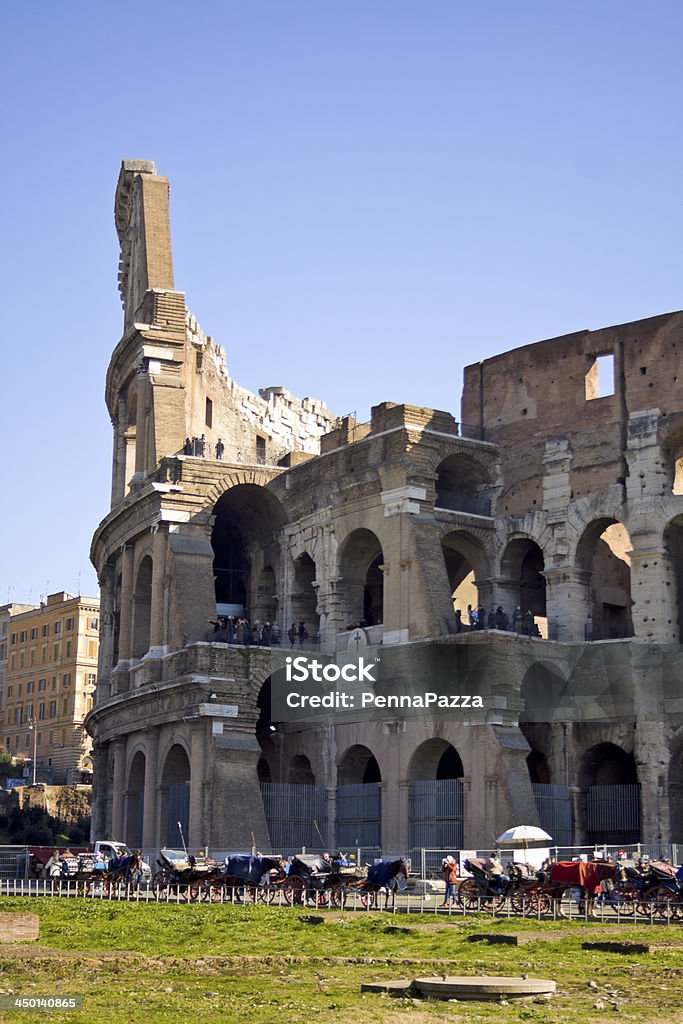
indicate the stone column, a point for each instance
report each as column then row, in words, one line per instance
column 106, row 650
column 653, row 591
column 331, row 806
column 568, row 602
column 196, row 838
column 652, row 759
column 150, row 837
column 127, row 585
column 157, row 640
column 396, row 834
column 117, row 817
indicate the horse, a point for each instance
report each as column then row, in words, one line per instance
column 585, row 875
column 390, row 875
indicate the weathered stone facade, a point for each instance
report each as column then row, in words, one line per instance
column 547, row 497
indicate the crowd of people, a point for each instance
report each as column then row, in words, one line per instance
column 521, row 622
column 233, row 629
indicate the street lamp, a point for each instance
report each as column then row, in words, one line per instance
column 34, row 729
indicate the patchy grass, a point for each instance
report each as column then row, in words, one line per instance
column 259, row 965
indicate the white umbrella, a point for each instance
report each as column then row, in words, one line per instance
column 522, row 835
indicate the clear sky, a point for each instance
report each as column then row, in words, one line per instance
column 366, row 196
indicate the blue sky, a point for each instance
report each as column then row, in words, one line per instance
column 366, row 196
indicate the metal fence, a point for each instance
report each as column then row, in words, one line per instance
column 359, row 815
column 296, row 815
column 436, row 813
column 613, row 812
column 554, row 811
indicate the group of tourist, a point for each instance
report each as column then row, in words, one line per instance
column 197, row 446
column 522, row 623
column 232, row 629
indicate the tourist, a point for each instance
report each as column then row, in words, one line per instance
column 449, row 867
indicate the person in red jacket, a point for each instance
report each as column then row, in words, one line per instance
column 449, row 866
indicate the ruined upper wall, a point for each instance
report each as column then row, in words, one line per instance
column 539, row 392
column 143, row 227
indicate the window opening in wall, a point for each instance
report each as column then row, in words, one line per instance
column 600, row 377
column 208, row 418
column 260, row 450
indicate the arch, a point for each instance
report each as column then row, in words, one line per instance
column 248, row 519
column 604, row 552
column 361, row 564
column 436, row 796
column 175, row 796
column 466, row 563
column 135, row 801
column 523, row 565
column 304, row 595
column 610, row 801
column 263, row 770
column 300, row 772
column 358, row 766
column 461, row 485
column 673, row 546
column 142, row 608
column 435, row 759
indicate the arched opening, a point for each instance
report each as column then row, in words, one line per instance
column 248, row 519
column 175, row 797
column 465, row 563
column 304, row 596
column 359, row 799
column 436, row 796
column 360, row 565
column 461, row 486
column 539, row 769
column 300, row 772
column 130, row 441
column 135, row 805
column 522, row 566
column 263, row 770
column 608, row 779
column 142, row 608
column 604, row 552
column 676, row 790
column 673, row 545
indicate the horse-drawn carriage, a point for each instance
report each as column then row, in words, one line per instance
column 91, row 873
column 250, row 876
column 189, row 876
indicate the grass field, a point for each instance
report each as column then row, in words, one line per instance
column 260, row 965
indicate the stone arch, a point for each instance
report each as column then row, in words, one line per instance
column 603, row 552
column 263, row 770
column 676, row 788
column 248, row 520
column 673, row 546
column 358, row 766
column 466, row 565
column 436, row 810
column 300, row 772
column 361, row 565
column 463, row 485
column 522, row 567
column 142, row 607
column 267, row 735
column 175, row 796
column 610, row 799
column 304, row 595
column 135, row 800
column 435, row 759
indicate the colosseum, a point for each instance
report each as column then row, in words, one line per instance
column 530, row 552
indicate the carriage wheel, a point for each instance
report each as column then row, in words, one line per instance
column 368, row 899
column 339, row 896
column 294, row 891
column 522, row 902
column 320, row 898
column 663, row 899
column 468, row 895
column 624, row 898
column 192, row 893
column 257, row 893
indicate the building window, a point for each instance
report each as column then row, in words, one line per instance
column 23, row 636
column 29, row 712
column 92, row 649
column 27, row 740
column 14, row 638
column 20, row 690
column 208, row 418
column 57, row 628
column 21, row 659
column 92, row 679
column 53, row 709
column 54, row 682
column 69, row 625
column 68, row 649
column 34, row 633
column 18, row 715
column 41, row 685
column 600, row 377
column 94, row 623
column 46, row 629
column 65, row 707
column 32, row 658
column 66, row 680
column 260, row 450
column 55, row 652
column 3, row 651
column 10, row 691
column 41, row 712
column 12, row 663
column 29, row 686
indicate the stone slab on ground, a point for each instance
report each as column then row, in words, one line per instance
column 622, row 947
column 19, row 927
column 392, row 988
column 484, row 988
column 516, row 938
